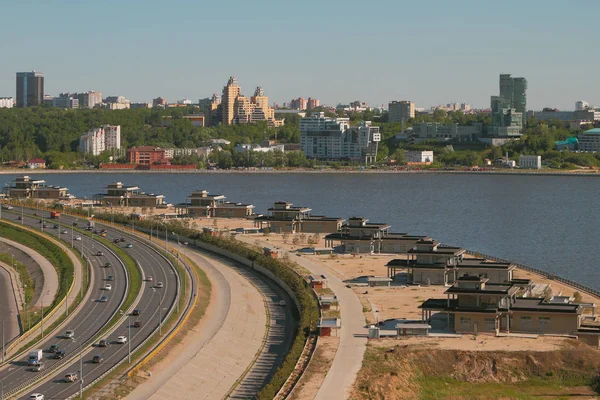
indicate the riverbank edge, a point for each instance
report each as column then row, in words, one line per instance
column 592, row 173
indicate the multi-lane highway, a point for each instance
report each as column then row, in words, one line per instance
column 154, row 303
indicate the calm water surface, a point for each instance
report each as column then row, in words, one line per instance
column 547, row 222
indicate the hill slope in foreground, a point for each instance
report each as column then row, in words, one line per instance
column 418, row 372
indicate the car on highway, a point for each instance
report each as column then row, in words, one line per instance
column 35, row 214
column 38, row 367
column 137, row 324
column 75, row 224
column 7, row 206
column 107, row 265
column 282, row 302
column 103, row 343
column 160, row 285
column 115, row 241
column 71, row 377
column 122, row 339
column 135, row 312
column 128, row 245
column 102, row 234
column 149, row 279
column 103, row 299
column 64, row 231
column 53, row 348
column 36, row 396
column 70, row 334
column 108, row 286
column 99, row 253
column 78, row 238
column 97, row 359
column 56, row 226
column 121, row 239
column 110, row 278
column 20, row 218
column 59, row 355
column 44, row 225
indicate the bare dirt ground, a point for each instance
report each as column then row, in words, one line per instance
column 313, row 377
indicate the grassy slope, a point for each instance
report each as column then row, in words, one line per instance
column 417, row 373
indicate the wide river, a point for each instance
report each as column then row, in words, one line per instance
column 548, row 222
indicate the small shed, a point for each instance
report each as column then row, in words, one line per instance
column 271, row 252
column 323, row 250
column 412, row 329
column 328, row 302
column 318, row 281
column 379, row 281
column 327, row 326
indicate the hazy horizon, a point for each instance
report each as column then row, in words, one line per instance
column 433, row 53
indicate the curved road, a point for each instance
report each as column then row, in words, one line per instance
column 151, row 263
column 9, row 314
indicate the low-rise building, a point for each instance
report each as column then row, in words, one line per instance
column 146, row 155
column 36, row 163
column 25, row 188
column 589, row 140
column 7, row 102
column 118, row 194
column 531, row 162
column 419, row 156
column 570, row 144
column 360, row 236
column 202, row 204
column 444, row 133
column 283, row 217
column 473, row 305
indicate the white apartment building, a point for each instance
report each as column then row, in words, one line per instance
column 581, row 105
column 399, row 111
column 94, row 142
column 7, row 102
column 419, row 156
column 333, row 138
column 531, row 162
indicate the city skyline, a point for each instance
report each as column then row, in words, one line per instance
column 441, row 62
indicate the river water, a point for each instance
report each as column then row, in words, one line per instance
column 547, row 222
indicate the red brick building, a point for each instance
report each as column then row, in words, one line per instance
column 146, row 155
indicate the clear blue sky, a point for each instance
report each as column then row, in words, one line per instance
column 430, row 52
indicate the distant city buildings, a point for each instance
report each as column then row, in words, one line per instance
column 589, row 140
column 355, row 106
column 116, row 103
column 30, row 89
column 581, row 105
column 444, row 133
column 399, row 111
column 159, row 102
column 63, row 100
column 585, row 115
column 425, row 156
column 234, row 108
column 464, row 107
column 334, row 139
column 7, row 102
column 530, row 162
column 242, row 148
column 89, row 99
column 98, row 140
column 311, row 104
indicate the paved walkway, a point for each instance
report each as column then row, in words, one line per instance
column 50, row 281
column 348, row 359
column 209, row 362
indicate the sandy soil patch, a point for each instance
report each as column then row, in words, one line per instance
column 315, row 374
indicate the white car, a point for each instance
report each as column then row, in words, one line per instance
column 108, row 286
column 36, row 396
column 69, row 334
column 122, row 339
column 78, row 238
column 282, row 302
column 160, row 285
column 64, row 232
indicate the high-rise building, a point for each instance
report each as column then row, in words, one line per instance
column 230, row 93
column 89, row 99
column 399, row 111
column 509, row 108
column 333, row 138
column 311, row 104
column 514, row 91
column 30, row 89
column 97, row 140
column 581, row 105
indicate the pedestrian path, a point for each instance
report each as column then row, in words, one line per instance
column 209, row 361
